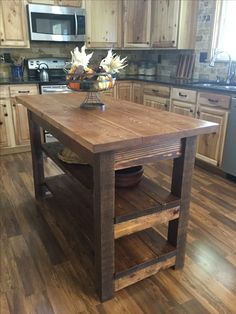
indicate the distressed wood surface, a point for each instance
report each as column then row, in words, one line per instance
column 122, row 125
column 44, row 268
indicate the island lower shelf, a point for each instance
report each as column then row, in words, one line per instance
column 140, row 250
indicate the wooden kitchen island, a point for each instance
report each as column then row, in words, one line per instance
column 119, row 223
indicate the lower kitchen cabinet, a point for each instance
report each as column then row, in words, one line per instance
column 137, row 93
column 13, row 118
column 155, row 102
column 124, row 90
column 156, row 96
column 210, row 147
column 184, row 108
column 213, row 107
column 5, row 139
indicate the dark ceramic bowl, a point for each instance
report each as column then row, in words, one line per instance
column 128, row 177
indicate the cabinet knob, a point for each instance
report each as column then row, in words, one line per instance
column 1, row 123
column 191, row 110
column 2, row 39
column 13, row 105
column 4, row 106
column 6, row 114
column 198, row 113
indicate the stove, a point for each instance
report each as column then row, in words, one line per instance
column 57, row 76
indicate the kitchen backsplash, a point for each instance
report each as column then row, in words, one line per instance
column 166, row 62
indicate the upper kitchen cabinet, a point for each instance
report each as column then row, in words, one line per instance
column 103, row 23
column 13, row 28
column 173, row 23
column 137, row 23
column 67, row 3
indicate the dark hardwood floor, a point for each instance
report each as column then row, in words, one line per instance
column 45, row 268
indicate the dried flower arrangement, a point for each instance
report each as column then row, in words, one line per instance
column 96, row 78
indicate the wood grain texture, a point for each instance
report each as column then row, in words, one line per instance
column 122, row 125
column 103, row 207
column 181, row 187
column 205, row 285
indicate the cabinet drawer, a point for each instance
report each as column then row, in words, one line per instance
column 214, row 100
column 157, row 90
column 4, row 91
column 184, row 94
column 23, row 89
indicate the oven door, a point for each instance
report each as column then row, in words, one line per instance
column 50, row 89
column 55, row 23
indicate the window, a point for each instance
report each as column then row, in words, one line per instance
column 225, row 29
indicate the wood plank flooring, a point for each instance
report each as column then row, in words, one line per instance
column 45, row 270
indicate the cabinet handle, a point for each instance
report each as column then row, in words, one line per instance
column 23, row 91
column 214, row 101
column 198, row 113
column 182, row 95
column 155, row 91
column 6, row 114
column 191, row 110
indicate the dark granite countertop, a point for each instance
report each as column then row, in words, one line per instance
column 190, row 84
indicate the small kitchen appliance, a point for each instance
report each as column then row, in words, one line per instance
column 43, row 72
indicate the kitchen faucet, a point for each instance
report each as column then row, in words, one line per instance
column 230, row 73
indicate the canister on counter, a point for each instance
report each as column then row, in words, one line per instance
column 141, row 68
column 150, row 69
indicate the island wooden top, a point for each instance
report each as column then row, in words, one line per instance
column 123, row 124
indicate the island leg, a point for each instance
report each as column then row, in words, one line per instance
column 181, row 187
column 104, row 224
column 37, row 157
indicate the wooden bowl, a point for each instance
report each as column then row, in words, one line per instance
column 128, row 177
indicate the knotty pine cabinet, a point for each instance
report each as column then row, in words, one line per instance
column 69, row 3
column 14, row 120
column 214, row 108
column 103, row 23
column 174, row 24
column 137, row 23
column 13, row 24
column 183, row 101
column 156, row 96
column 124, row 90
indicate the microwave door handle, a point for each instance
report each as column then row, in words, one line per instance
column 76, row 25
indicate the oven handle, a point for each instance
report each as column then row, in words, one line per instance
column 55, row 91
column 76, row 25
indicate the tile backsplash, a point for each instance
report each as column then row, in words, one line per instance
column 166, row 61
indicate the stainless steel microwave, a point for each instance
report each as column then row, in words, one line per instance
column 56, row 23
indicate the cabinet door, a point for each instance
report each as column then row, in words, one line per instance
column 137, row 93
column 124, row 91
column 137, row 23
column 183, row 108
column 210, row 146
column 20, row 123
column 156, row 102
column 13, row 30
column 165, row 14
column 103, row 23
column 4, row 139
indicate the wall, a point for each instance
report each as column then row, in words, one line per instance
column 165, row 61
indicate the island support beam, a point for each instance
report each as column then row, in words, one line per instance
column 104, row 199
column 37, row 157
column 181, row 187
